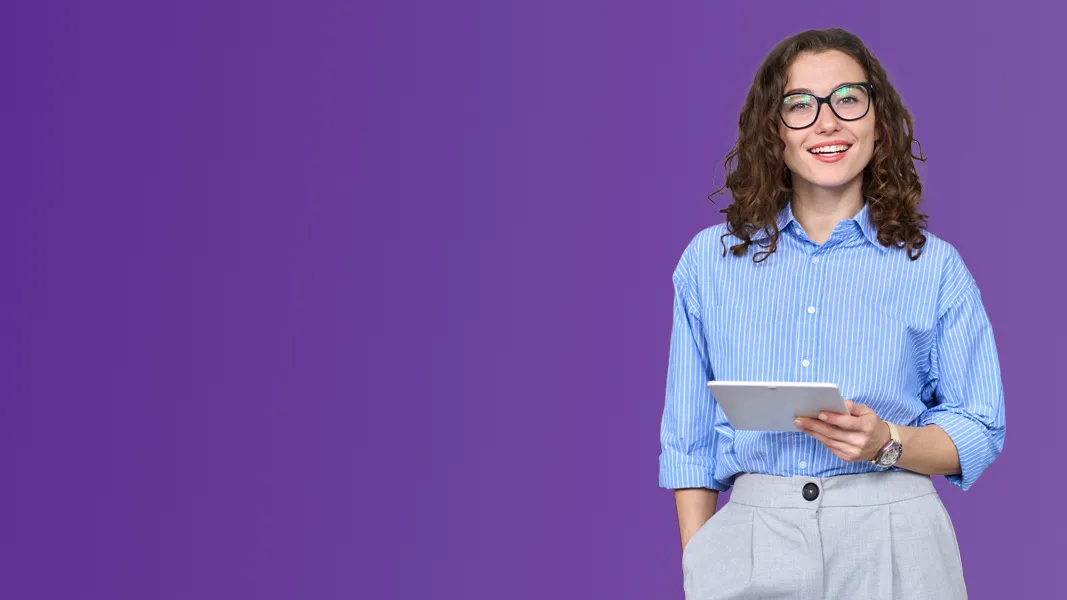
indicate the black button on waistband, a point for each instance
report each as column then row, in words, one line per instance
column 810, row 491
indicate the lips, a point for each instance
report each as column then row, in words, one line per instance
column 830, row 151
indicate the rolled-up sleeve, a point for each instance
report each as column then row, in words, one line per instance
column 687, row 431
column 968, row 392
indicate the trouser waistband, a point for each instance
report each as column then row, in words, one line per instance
column 865, row 489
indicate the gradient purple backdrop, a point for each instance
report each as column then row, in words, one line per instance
column 343, row 300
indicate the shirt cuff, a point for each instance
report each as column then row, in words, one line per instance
column 677, row 472
column 972, row 444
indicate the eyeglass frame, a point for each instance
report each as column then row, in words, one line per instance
column 826, row 100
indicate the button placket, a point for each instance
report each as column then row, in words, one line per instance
column 811, row 296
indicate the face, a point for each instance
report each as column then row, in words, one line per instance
column 820, row 74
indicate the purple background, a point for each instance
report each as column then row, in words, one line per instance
column 340, row 300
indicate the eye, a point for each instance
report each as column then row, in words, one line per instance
column 849, row 95
column 797, row 102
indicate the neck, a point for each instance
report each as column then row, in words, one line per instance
column 818, row 209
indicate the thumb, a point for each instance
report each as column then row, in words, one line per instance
column 858, row 409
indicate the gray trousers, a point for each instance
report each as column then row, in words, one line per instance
column 873, row 536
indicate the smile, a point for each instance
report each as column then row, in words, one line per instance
column 830, row 153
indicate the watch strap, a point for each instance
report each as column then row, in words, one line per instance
column 894, row 433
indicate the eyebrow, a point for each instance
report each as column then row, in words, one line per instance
column 807, row 91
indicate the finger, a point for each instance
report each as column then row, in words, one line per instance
column 845, row 452
column 830, row 431
column 860, row 409
column 835, row 446
column 842, row 421
column 805, row 423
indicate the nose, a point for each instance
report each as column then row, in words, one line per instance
column 827, row 121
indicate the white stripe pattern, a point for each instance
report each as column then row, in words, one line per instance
column 910, row 339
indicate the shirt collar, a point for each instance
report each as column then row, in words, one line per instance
column 783, row 219
column 867, row 226
column 862, row 219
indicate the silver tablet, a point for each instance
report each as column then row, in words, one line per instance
column 772, row 406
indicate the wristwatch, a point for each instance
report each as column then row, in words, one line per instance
column 891, row 452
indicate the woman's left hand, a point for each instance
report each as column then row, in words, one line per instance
column 858, row 436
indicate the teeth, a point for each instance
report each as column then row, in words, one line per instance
column 828, row 149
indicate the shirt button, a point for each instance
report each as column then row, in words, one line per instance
column 811, row 310
column 805, row 362
column 815, row 259
column 803, row 464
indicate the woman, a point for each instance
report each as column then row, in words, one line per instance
column 824, row 272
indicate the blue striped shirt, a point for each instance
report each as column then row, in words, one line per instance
column 910, row 339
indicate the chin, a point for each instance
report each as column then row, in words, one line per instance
column 820, row 178
column 833, row 184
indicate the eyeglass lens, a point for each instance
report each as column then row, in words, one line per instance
column 848, row 102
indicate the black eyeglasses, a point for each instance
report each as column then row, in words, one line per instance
column 849, row 102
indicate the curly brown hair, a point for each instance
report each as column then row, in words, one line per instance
column 760, row 183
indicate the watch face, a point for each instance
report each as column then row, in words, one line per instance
column 890, row 457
